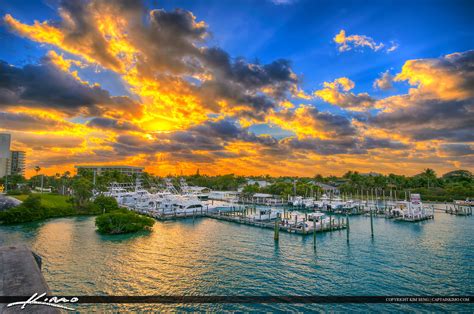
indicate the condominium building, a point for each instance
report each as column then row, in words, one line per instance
column 128, row 170
column 17, row 162
column 5, row 140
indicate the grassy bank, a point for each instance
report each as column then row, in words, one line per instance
column 50, row 200
column 112, row 218
column 37, row 207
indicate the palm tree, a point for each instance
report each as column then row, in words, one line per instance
column 37, row 169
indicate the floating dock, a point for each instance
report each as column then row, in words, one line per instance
column 287, row 221
column 459, row 210
column 283, row 224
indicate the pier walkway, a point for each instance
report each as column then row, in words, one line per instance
column 20, row 270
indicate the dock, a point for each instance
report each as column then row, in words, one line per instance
column 459, row 210
column 284, row 224
column 288, row 222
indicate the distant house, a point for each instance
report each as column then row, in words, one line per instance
column 371, row 174
column 260, row 183
column 263, row 199
column 328, row 189
column 224, row 195
column 128, row 170
column 199, row 189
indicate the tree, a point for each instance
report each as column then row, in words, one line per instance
column 82, row 191
column 106, row 203
column 250, row 190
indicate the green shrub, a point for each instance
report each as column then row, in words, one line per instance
column 43, row 206
column 118, row 222
column 106, row 204
column 30, row 210
column 14, row 192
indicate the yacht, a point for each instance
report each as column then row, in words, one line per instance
column 412, row 210
column 264, row 214
column 323, row 201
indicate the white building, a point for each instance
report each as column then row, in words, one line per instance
column 260, row 183
column 5, row 154
column 328, row 189
column 128, row 170
column 230, row 196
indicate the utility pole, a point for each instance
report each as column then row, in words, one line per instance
column 6, row 183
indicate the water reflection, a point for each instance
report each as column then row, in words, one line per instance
column 213, row 257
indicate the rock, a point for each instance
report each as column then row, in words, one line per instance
column 7, row 202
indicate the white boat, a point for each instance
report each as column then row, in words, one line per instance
column 336, row 203
column 308, row 221
column 265, row 214
column 349, row 205
column 412, row 210
column 322, row 202
column 299, row 201
column 318, row 217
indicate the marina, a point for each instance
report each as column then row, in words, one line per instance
column 217, row 257
column 265, row 210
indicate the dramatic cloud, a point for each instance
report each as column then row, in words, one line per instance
column 31, row 121
column 193, row 105
column 309, row 121
column 157, row 54
column 441, row 104
column 346, row 43
column 385, row 81
column 455, row 149
column 338, row 93
column 113, row 124
column 45, row 85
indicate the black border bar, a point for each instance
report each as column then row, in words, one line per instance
column 252, row 299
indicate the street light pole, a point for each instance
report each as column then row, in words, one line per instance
column 6, row 183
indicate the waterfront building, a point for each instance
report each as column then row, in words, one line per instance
column 230, row 196
column 260, row 183
column 128, row 170
column 327, row 189
column 5, row 140
column 17, row 162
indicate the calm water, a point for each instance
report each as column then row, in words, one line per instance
column 210, row 257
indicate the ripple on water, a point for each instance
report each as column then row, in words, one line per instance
column 210, row 257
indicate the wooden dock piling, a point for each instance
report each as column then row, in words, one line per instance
column 371, row 224
column 276, row 235
column 314, row 234
column 347, row 227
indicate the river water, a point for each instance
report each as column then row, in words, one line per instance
column 210, row 257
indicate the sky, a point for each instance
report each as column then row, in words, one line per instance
column 282, row 87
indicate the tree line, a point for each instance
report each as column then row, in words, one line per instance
column 458, row 184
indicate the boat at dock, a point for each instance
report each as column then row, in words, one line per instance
column 265, row 214
column 322, row 202
column 412, row 210
column 299, row 201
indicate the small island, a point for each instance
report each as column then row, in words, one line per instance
column 123, row 221
column 112, row 218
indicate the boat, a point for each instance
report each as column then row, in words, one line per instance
column 265, row 214
column 322, row 202
column 412, row 210
column 299, row 201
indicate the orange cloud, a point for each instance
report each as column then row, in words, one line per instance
column 192, row 105
column 338, row 93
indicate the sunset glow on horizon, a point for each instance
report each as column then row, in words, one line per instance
column 251, row 88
